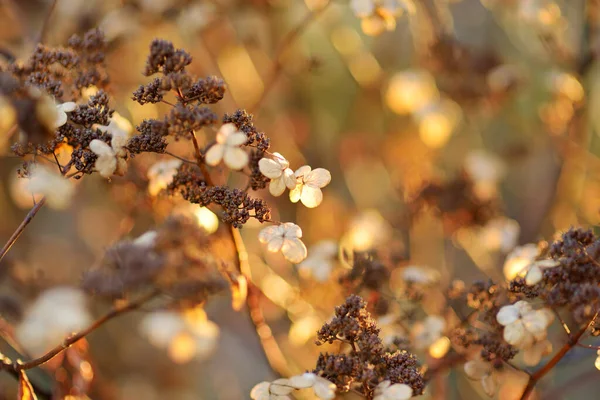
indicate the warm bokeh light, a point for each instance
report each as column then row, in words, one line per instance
column 206, row 219
column 241, row 75
column 411, row 90
column 437, row 122
column 183, row 348
column 440, row 347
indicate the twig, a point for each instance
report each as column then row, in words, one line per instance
column 572, row 342
column 17, row 366
column 180, row 158
column 46, row 23
column 285, row 43
column 271, row 349
column 13, row 238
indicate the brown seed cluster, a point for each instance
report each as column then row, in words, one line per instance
column 367, row 362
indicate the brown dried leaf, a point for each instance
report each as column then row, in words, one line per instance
column 25, row 389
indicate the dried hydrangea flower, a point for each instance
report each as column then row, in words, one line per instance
column 280, row 389
column 319, row 263
column 500, row 234
column 308, row 185
column 53, row 115
column 277, row 169
column 535, row 271
column 161, row 174
column 519, row 259
column 111, row 159
column 285, row 238
column 55, row 314
column 56, row 188
column 227, row 148
column 524, row 326
column 386, row 391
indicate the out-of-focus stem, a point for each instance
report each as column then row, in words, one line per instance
column 28, row 218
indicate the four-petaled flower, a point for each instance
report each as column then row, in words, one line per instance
column 111, row 159
column 308, row 185
column 398, row 391
column 281, row 388
column 161, row 174
column 277, row 169
column 285, row 238
column 227, row 148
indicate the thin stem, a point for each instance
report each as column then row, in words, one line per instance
column 271, row 349
column 13, row 238
column 46, row 23
column 277, row 58
column 180, row 158
column 17, row 366
column 572, row 342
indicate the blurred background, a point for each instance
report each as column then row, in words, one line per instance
column 505, row 90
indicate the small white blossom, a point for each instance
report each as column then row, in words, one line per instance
column 308, row 185
column 56, row 188
column 56, row 314
column 426, row 332
column 535, row 271
column 519, row 259
column 111, row 159
column 61, row 112
column 227, row 148
column 277, row 169
column 486, row 171
column 319, row 263
column 500, row 234
column 161, row 174
column 53, row 115
column 285, row 238
column 525, row 328
column 398, row 391
column 483, row 372
column 281, row 388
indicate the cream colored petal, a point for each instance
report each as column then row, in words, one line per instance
column 476, row 369
column 291, row 230
column 61, row 119
column 311, row 196
column 277, row 187
column 533, row 355
column 534, row 276
column 119, row 139
column 224, row 132
column 214, row 155
column 523, row 307
column 302, row 171
column 399, row 391
column 489, row 385
column 106, row 165
column 303, row 381
column 281, row 160
column 296, row 193
column 324, row 389
column 514, row 333
column 235, row 158
column 237, row 139
column 270, row 168
column 67, row 107
column 318, row 178
column 270, row 232
column 294, row 250
column 281, row 387
column 121, row 168
column 535, row 322
column 289, row 178
column 275, row 244
column 507, row 315
column 100, row 148
column 527, row 342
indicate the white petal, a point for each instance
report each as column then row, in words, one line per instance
column 270, row 168
column 302, row 171
column 489, row 385
column 533, row 355
column 237, row 139
column 507, row 315
column 303, row 381
column 106, row 165
column 291, row 230
column 399, row 391
column 382, row 386
column 476, row 369
column 281, row 160
column 534, row 276
column 324, row 389
column 296, row 193
column 275, row 244
column 67, row 107
column 260, row 391
column 61, row 119
column 277, row 187
column 214, row 155
column 235, row 158
column 311, row 196
column 318, row 178
column 119, row 139
column 224, row 132
column 515, row 333
column 281, row 387
column 101, row 148
column 270, row 232
column 290, row 179
column 294, row 250
column 535, row 322
column 523, row 307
